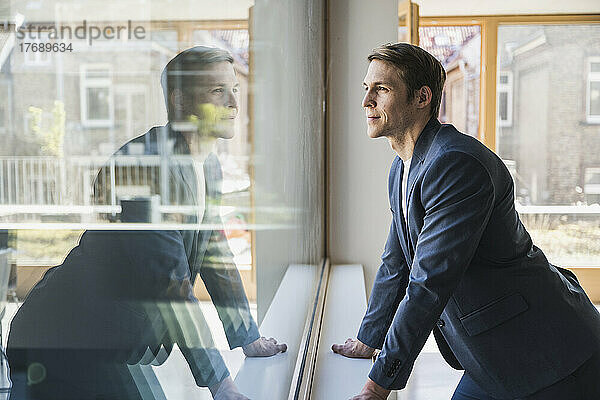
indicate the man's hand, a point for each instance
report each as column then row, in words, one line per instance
column 354, row 349
column 226, row 390
column 372, row 391
column 263, row 347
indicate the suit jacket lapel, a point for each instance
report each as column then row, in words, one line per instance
column 212, row 200
column 420, row 151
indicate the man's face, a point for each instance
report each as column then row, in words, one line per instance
column 389, row 108
column 211, row 101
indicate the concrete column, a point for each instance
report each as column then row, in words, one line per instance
column 358, row 209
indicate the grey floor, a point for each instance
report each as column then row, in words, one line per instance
column 432, row 378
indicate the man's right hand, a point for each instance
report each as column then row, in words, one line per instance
column 263, row 347
column 353, row 348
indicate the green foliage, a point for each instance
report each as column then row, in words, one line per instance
column 44, row 247
column 50, row 138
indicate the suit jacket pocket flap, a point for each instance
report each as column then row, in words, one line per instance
column 494, row 314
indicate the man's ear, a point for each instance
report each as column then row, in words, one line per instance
column 424, row 96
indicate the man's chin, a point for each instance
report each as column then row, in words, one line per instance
column 224, row 134
column 374, row 134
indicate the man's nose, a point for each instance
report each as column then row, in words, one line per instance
column 368, row 100
column 232, row 100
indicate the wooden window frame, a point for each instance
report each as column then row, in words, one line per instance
column 185, row 29
column 408, row 15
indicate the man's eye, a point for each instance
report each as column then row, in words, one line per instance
column 381, row 88
column 217, row 90
column 235, row 90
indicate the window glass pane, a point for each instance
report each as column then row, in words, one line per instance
column 595, row 98
column 592, row 175
column 97, row 103
column 158, row 165
column 550, row 146
column 459, row 50
column 595, row 67
column 503, row 106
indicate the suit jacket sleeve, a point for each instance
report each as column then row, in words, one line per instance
column 159, row 274
column 224, row 284
column 388, row 289
column 457, row 194
column 218, row 270
column 161, row 278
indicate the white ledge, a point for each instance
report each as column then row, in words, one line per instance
column 337, row 377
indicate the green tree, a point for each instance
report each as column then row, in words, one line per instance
column 50, row 137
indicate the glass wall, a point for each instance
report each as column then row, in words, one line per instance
column 548, row 134
column 161, row 164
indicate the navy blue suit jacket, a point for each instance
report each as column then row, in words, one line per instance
column 122, row 293
column 466, row 267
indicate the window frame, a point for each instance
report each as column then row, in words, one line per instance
column 591, row 77
column 90, row 83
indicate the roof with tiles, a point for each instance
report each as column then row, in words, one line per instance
column 444, row 42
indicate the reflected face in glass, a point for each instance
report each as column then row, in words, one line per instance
column 211, row 100
column 388, row 108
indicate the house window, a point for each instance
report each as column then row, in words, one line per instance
column 593, row 91
column 37, row 58
column 591, row 187
column 97, row 106
column 504, row 101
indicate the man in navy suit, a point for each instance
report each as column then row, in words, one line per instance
column 459, row 261
column 126, row 297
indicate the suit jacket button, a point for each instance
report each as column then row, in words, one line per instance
column 441, row 322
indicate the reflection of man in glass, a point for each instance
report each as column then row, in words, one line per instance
column 126, row 297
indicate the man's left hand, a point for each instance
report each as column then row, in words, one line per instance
column 372, row 391
column 263, row 347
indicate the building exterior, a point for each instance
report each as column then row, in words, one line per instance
column 548, row 112
column 95, row 98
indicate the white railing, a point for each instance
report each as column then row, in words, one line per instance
column 35, row 185
column 31, row 180
column 68, row 181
